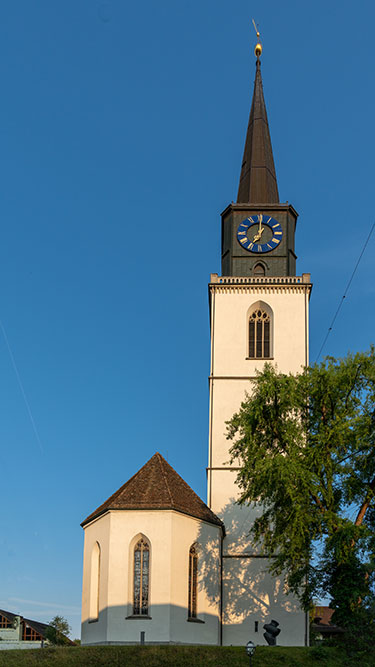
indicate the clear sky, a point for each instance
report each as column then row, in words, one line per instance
column 122, row 127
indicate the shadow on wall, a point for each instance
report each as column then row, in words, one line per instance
column 248, row 588
column 165, row 624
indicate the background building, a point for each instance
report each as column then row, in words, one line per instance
column 19, row 632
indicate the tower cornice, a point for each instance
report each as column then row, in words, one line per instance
column 259, row 207
column 261, row 284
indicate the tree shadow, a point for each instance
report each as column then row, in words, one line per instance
column 251, row 595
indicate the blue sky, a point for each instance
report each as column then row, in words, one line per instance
column 121, row 135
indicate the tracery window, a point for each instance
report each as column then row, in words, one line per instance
column 259, row 334
column 193, row 581
column 141, row 577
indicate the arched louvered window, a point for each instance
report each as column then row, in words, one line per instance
column 259, row 270
column 259, row 334
column 193, row 581
column 141, row 578
column 95, row 582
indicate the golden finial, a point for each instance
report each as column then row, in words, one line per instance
column 258, row 48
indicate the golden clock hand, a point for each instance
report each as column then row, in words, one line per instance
column 258, row 235
column 260, row 229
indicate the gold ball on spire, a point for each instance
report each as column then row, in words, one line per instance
column 258, row 50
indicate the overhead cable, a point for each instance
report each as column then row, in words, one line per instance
column 345, row 293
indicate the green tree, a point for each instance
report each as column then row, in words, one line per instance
column 58, row 631
column 305, row 446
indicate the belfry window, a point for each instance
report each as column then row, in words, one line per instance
column 259, row 334
column 193, row 581
column 259, row 270
column 141, row 577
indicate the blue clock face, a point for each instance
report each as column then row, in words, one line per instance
column 259, row 233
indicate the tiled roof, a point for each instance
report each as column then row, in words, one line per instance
column 157, row 486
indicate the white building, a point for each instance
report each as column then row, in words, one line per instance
column 160, row 565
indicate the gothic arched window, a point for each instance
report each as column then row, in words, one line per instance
column 141, row 578
column 95, row 582
column 193, row 581
column 259, row 334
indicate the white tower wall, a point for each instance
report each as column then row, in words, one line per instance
column 251, row 596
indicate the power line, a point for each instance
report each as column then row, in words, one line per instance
column 346, row 291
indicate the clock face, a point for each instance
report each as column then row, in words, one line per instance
column 259, row 233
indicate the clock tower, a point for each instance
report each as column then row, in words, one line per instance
column 252, row 243
column 258, row 314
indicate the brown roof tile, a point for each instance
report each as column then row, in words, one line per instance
column 157, row 486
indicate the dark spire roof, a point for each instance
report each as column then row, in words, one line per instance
column 258, row 184
column 157, row 486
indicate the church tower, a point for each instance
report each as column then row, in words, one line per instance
column 258, row 314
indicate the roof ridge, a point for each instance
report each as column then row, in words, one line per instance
column 122, row 487
column 161, row 461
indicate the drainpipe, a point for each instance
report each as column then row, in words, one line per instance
column 221, row 589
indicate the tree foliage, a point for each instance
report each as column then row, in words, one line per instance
column 305, row 445
column 58, row 631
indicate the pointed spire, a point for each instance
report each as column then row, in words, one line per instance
column 258, row 184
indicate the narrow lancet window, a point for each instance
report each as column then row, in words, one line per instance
column 141, row 578
column 95, row 582
column 259, row 335
column 193, row 581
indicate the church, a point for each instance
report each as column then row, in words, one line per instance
column 160, row 565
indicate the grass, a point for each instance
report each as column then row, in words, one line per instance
column 176, row 656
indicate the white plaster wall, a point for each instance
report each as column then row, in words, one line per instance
column 226, row 398
column 231, row 311
column 126, row 527
column 170, row 535
column 238, row 519
column 186, row 531
column 97, row 531
column 250, row 594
